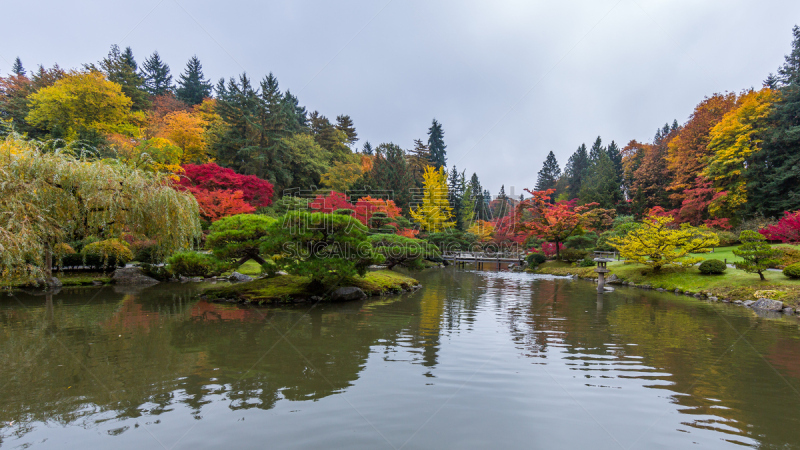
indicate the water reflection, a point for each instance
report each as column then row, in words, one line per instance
column 527, row 355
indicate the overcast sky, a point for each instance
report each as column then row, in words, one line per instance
column 509, row 80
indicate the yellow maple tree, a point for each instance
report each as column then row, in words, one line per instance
column 434, row 214
column 483, row 229
column 187, row 131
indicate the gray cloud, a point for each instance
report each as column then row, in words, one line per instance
column 509, row 80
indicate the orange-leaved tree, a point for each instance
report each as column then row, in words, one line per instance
column 555, row 222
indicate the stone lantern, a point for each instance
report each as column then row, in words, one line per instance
column 601, row 270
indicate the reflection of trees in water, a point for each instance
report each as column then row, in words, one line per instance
column 125, row 355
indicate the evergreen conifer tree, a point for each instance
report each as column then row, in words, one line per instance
column 479, row 204
column 456, row 192
column 601, row 184
column 345, row 124
column 487, row 200
column 17, row 68
column 121, row 68
column 157, row 79
column 436, row 145
column 548, row 176
column 192, row 85
column 596, row 150
column 576, row 171
column 615, row 155
column 367, row 149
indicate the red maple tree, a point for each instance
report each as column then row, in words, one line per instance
column 787, row 229
column 211, row 177
column 215, row 205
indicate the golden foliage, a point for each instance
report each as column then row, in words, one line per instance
column 434, row 214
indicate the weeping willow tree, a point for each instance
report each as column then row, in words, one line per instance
column 48, row 197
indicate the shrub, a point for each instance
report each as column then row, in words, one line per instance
column 581, row 242
column 107, row 254
column 572, row 254
column 792, row 271
column 534, row 259
column 238, row 237
column 727, row 238
column 587, row 262
column 789, row 255
column 712, row 266
column 195, row 264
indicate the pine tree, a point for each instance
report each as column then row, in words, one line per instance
column 193, row 88
column 601, row 184
column 500, row 204
column 596, row 150
column 456, row 191
column 615, row 155
column 479, row 205
column 487, row 200
column 121, row 68
column 775, row 169
column 436, row 145
column 367, row 149
column 467, row 216
column 418, row 159
column 576, row 171
column 345, row 124
column 17, row 68
column 157, row 79
column 296, row 114
column 548, row 176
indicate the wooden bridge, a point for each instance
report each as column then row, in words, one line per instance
column 481, row 258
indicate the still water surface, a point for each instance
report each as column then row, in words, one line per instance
column 472, row 360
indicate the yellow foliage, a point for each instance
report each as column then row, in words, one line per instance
column 434, row 214
column 655, row 244
column 732, row 141
column 186, row 130
column 81, row 100
column 483, row 229
column 341, row 176
column 155, row 155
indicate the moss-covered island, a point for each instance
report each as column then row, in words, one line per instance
column 299, row 289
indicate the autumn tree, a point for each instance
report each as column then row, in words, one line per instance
column 51, row 197
column 733, row 141
column 78, row 104
column 688, row 151
column 657, row 244
column 341, row 176
column 211, row 177
column 187, row 131
column 434, row 213
column 787, row 229
column 555, row 222
column 121, row 68
column 215, row 205
column 390, row 173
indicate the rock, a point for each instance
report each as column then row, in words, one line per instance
column 97, row 283
column 767, row 304
column 713, row 299
column 749, row 302
column 197, row 279
column 315, row 298
column 788, row 310
column 661, row 290
column 739, row 302
column 131, row 275
column 238, row 277
column 608, row 288
column 678, row 291
column 613, row 279
column 646, row 286
column 346, row 294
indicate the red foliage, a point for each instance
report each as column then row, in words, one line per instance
column 331, row 202
column 364, row 208
column 215, row 205
column 694, row 207
column 506, row 231
column 211, row 177
column 786, row 230
column 549, row 248
column 409, row 233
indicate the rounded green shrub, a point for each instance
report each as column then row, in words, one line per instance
column 587, row 262
column 573, row 254
column 712, row 267
column 534, row 259
column 195, row 264
column 792, row 270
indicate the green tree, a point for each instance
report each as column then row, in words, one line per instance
column 549, row 175
column 53, row 197
column 601, row 185
column 758, row 255
column 345, row 124
column 575, row 171
column 120, row 67
column 367, row 149
column 239, row 237
column 456, row 187
column 157, row 79
column 193, row 88
column 17, row 68
column 328, row 248
column 615, row 155
column 436, row 145
column 403, row 251
column 390, row 172
column 308, row 161
column 596, row 150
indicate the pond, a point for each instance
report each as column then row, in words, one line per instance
column 472, row 360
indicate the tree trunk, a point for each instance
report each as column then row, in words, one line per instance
column 48, row 263
column 761, row 274
column 558, row 252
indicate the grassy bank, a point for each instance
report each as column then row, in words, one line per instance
column 292, row 288
column 734, row 284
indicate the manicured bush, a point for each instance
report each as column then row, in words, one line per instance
column 582, row 242
column 792, row 271
column 107, row 254
column 587, row 262
column 712, row 266
column 789, row 255
column 573, row 255
column 534, row 259
column 195, row 264
column 727, row 238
